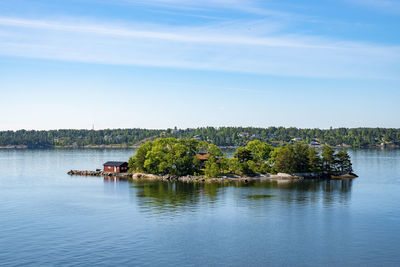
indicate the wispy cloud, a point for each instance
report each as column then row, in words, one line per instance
column 183, row 34
column 205, row 48
column 389, row 6
column 248, row 6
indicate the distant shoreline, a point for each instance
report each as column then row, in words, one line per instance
column 229, row 137
column 21, row 147
column 90, row 147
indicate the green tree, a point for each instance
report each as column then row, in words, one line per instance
column 283, row 160
column 260, row 150
column 217, row 168
column 216, row 164
column 136, row 162
column 300, row 157
column 328, row 159
column 243, row 154
column 233, row 165
column 343, row 162
column 314, row 160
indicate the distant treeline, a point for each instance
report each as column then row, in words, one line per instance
column 75, row 138
column 222, row 136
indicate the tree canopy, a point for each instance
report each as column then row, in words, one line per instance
column 180, row 157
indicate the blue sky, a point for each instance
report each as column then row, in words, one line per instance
column 165, row 63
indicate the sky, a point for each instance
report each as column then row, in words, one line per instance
column 163, row 63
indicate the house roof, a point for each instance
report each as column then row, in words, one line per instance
column 115, row 163
column 203, row 156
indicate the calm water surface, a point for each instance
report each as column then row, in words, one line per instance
column 50, row 218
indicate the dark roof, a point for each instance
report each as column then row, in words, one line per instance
column 115, row 163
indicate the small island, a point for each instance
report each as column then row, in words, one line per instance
column 192, row 160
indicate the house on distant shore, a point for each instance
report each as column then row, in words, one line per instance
column 115, row 166
column 314, row 143
column 197, row 137
column 243, row 134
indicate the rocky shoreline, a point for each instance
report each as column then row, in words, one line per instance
column 14, row 147
column 191, row 179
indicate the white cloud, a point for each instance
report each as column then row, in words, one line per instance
column 206, row 48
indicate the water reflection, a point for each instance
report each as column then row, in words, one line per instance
column 166, row 197
column 161, row 197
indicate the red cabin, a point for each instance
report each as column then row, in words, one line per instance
column 115, row 166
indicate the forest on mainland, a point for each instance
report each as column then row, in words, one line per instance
column 219, row 136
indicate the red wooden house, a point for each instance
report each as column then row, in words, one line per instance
column 115, row 166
